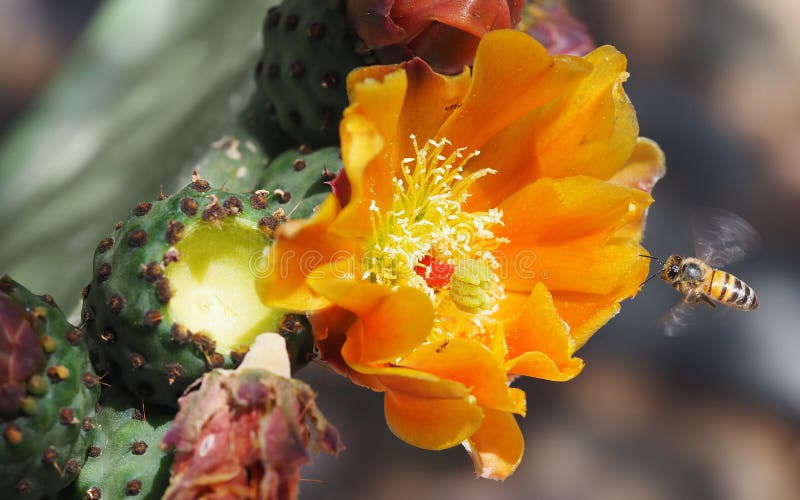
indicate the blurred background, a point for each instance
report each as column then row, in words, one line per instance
column 711, row 414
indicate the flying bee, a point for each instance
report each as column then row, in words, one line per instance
column 725, row 238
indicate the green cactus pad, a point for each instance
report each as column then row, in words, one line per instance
column 308, row 51
column 49, row 395
column 124, row 457
column 299, row 178
column 236, row 159
column 173, row 292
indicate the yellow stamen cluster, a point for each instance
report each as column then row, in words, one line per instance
column 426, row 218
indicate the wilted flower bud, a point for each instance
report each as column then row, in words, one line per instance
column 445, row 34
column 551, row 23
column 245, row 434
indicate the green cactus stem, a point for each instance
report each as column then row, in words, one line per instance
column 49, row 391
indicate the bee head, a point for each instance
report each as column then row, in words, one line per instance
column 671, row 269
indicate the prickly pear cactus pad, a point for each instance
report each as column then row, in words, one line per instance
column 308, row 51
column 124, row 458
column 48, row 392
column 173, row 292
column 301, row 178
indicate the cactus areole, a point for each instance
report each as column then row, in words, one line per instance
column 173, row 292
column 123, row 458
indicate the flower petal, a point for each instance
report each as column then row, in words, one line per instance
column 503, row 90
column 430, row 99
column 644, row 168
column 475, row 17
column 497, row 447
column 418, row 383
column 471, row 363
column 300, row 245
column 425, row 99
column 329, row 327
column 432, row 424
column 569, row 208
column 586, row 313
column 585, row 266
column 588, row 211
column 366, row 130
column 595, row 130
column 390, row 328
column 336, row 280
column 539, row 341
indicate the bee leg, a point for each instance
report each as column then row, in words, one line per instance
column 691, row 299
column 705, row 299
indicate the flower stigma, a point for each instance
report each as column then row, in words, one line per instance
column 425, row 239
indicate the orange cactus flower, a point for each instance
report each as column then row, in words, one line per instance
column 491, row 225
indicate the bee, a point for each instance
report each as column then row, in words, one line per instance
column 725, row 238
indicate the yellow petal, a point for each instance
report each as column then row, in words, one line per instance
column 497, row 448
column 542, row 366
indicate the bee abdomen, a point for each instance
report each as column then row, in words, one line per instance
column 732, row 291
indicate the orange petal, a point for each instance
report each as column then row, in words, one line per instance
column 389, row 104
column 644, row 168
column 300, row 246
column 472, row 364
column 593, row 131
column 504, row 90
column 395, row 326
column 585, row 266
column 337, row 282
column 430, row 99
column 366, row 132
column 497, row 447
column 432, row 424
column 569, row 208
column 417, row 383
column 329, row 327
column 540, row 365
column 539, row 341
column 585, row 313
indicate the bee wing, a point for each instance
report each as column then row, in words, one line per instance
column 722, row 237
column 690, row 317
column 677, row 318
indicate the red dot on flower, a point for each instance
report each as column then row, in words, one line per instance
column 435, row 272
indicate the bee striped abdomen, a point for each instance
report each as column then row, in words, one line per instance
column 731, row 291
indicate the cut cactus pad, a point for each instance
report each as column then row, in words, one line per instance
column 173, row 292
column 211, row 285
